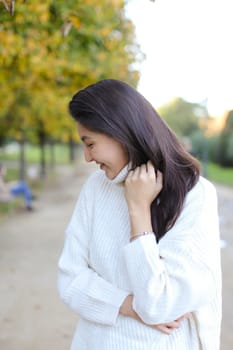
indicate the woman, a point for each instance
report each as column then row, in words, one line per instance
column 142, row 248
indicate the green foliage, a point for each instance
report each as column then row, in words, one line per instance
column 229, row 152
column 197, row 141
column 213, row 148
column 226, row 142
column 181, row 116
column 211, row 144
column 51, row 49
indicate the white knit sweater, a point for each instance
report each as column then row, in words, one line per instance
column 98, row 268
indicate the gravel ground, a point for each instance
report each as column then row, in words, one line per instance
column 31, row 314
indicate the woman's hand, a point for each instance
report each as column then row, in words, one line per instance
column 126, row 309
column 167, row 328
column 143, row 185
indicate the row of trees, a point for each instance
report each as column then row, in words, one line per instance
column 191, row 122
column 219, row 144
column 51, row 49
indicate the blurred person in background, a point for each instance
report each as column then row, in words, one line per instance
column 11, row 189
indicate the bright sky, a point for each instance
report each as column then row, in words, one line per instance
column 189, row 50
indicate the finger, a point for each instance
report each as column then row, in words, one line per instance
column 132, row 173
column 164, row 329
column 180, row 319
column 185, row 316
column 159, row 178
column 136, row 172
column 150, row 168
column 142, row 169
column 174, row 324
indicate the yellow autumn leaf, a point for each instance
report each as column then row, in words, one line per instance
column 75, row 20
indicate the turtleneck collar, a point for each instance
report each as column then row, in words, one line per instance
column 121, row 176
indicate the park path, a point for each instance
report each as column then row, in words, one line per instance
column 31, row 314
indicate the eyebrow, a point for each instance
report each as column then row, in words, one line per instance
column 84, row 138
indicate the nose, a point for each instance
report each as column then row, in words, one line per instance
column 87, row 155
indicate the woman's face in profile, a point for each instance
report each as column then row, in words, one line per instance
column 104, row 150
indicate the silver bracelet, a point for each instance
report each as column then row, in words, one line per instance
column 144, row 233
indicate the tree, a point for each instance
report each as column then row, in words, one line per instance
column 181, row 116
column 9, row 5
column 226, row 142
column 52, row 49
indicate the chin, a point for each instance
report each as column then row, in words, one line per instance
column 110, row 174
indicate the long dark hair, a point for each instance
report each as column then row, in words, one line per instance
column 114, row 108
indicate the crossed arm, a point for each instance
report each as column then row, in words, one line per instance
column 141, row 187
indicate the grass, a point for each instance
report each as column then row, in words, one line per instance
column 32, row 154
column 219, row 174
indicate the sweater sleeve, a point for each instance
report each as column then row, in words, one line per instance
column 79, row 286
column 180, row 274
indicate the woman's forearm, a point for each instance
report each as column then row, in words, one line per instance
column 140, row 219
column 142, row 186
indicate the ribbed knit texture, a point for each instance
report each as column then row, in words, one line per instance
column 98, row 268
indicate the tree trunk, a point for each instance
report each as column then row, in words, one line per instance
column 22, row 162
column 52, row 154
column 71, row 149
column 42, row 140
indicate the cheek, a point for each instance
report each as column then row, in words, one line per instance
column 124, row 156
column 122, row 159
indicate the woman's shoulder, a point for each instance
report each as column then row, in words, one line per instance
column 203, row 191
column 204, row 185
